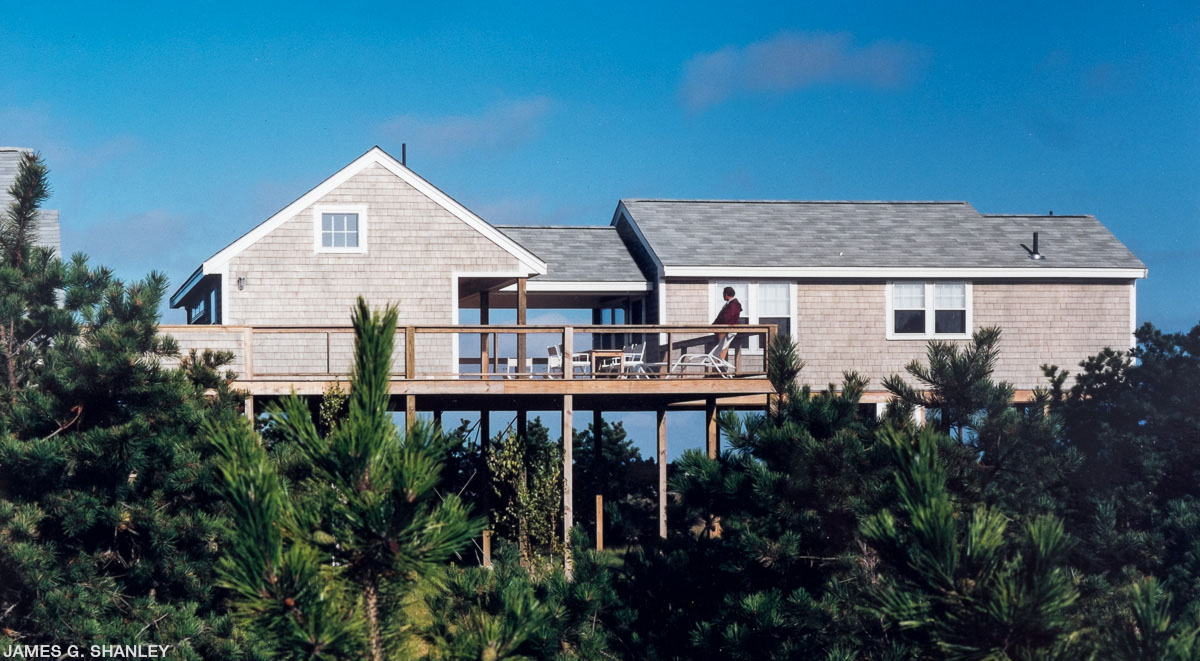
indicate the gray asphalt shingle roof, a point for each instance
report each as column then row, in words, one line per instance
column 868, row 234
column 577, row 253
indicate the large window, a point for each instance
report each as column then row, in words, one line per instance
column 340, row 228
column 762, row 303
column 918, row 310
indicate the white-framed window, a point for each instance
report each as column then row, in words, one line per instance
column 762, row 303
column 340, row 228
column 921, row 310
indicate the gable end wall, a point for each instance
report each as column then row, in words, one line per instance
column 413, row 247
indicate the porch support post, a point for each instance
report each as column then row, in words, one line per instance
column 521, row 306
column 522, row 423
column 484, row 310
column 597, row 473
column 485, row 453
column 662, row 473
column 598, row 339
column 712, row 441
column 249, row 408
column 410, row 412
column 437, row 419
column 568, row 431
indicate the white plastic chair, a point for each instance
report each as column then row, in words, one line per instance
column 634, row 358
column 554, row 361
column 711, row 360
column 511, row 368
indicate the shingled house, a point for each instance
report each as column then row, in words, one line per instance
column 858, row 285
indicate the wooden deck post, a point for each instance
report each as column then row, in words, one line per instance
column 485, row 452
column 521, row 305
column 599, row 522
column 598, row 339
column 250, row 408
column 410, row 412
column 662, row 473
column 568, row 431
column 410, row 352
column 712, row 440
column 522, row 423
column 487, row 549
column 568, row 352
column 597, row 473
column 484, row 310
column 437, row 420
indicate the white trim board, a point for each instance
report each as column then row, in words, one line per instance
column 580, row 286
column 752, row 272
column 623, row 212
column 219, row 262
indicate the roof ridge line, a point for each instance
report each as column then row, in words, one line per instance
column 710, row 201
column 555, row 227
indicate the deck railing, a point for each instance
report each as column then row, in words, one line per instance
column 492, row 351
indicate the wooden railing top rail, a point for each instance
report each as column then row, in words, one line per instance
column 493, row 328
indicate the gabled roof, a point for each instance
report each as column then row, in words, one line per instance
column 577, row 253
column 374, row 156
column 722, row 237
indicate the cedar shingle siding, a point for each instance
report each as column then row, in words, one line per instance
column 413, row 246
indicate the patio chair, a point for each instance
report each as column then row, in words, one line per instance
column 554, row 362
column 709, row 361
column 634, row 357
column 512, row 369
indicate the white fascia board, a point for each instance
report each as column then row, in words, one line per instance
column 588, row 286
column 529, row 261
column 744, row 272
column 375, row 156
column 622, row 211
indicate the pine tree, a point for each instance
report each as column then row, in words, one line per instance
column 325, row 578
column 526, row 484
column 782, row 578
column 109, row 525
column 958, row 385
column 956, row 584
column 623, row 477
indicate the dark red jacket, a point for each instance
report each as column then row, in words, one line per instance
column 730, row 313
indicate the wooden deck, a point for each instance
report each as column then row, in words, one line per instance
column 476, row 367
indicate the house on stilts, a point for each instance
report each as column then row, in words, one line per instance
column 857, row 285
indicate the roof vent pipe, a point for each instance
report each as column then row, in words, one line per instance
column 1035, row 254
column 404, row 154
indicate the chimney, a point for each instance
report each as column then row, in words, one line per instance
column 1035, row 254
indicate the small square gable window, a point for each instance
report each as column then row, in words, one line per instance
column 340, row 229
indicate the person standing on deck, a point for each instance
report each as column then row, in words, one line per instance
column 730, row 314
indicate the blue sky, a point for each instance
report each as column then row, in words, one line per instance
column 172, row 128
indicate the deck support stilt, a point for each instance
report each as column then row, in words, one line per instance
column 485, row 474
column 599, row 522
column 484, row 309
column 568, row 431
column 662, row 472
column 250, row 408
column 521, row 307
column 712, row 440
column 410, row 412
column 598, row 473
